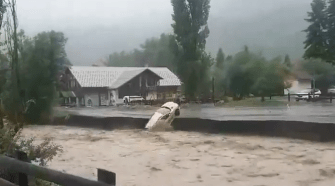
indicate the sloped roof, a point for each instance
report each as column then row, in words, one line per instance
column 127, row 76
column 68, row 94
column 114, row 77
column 169, row 78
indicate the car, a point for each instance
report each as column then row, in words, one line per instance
column 161, row 120
column 132, row 99
column 182, row 99
column 308, row 94
column 331, row 89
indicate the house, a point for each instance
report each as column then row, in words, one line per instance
column 103, row 86
column 299, row 81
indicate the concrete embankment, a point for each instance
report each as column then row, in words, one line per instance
column 291, row 129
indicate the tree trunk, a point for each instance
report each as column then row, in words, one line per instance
column 1, row 120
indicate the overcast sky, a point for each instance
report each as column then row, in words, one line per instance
column 97, row 28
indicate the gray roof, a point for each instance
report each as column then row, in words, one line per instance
column 169, row 78
column 114, row 77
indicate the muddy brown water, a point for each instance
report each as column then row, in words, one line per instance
column 189, row 158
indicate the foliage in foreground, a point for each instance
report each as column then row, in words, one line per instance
column 10, row 142
column 40, row 61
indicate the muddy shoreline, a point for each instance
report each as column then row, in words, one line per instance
column 323, row 132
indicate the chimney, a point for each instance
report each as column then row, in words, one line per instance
column 146, row 65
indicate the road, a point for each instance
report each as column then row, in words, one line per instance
column 318, row 112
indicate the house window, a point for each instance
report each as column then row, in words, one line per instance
column 89, row 103
column 73, row 83
column 151, row 82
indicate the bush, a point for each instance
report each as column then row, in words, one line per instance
column 10, row 142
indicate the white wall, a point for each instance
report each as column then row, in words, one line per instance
column 94, row 97
column 297, row 86
column 152, row 95
column 116, row 96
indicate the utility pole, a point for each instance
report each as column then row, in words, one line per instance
column 213, row 90
column 314, row 84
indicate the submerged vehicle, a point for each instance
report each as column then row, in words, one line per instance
column 161, row 120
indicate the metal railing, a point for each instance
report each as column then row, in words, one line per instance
column 20, row 168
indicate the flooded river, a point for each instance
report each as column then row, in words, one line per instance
column 178, row 158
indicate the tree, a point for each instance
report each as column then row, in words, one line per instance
column 251, row 73
column 323, row 72
column 220, row 59
column 271, row 79
column 287, row 61
column 11, row 42
column 316, row 42
column 246, row 49
column 331, row 31
column 42, row 58
column 229, row 58
column 155, row 52
column 191, row 30
column 2, row 11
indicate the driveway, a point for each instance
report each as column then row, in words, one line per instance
column 319, row 112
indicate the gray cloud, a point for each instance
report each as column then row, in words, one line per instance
column 98, row 28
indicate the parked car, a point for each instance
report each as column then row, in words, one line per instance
column 161, row 120
column 331, row 89
column 132, row 99
column 308, row 94
column 182, row 99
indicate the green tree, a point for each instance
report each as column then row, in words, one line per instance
column 218, row 74
column 251, row 73
column 190, row 29
column 271, row 79
column 155, row 52
column 40, row 61
column 323, row 72
column 316, row 41
column 220, row 59
column 229, row 58
column 246, row 49
column 331, row 31
column 43, row 57
column 2, row 11
column 4, row 67
column 287, row 61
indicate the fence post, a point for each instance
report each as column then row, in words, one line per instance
column 331, row 97
column 289, row 97
column 4, row 182
column 106, row 177
column 213, row 95
column 22, row 179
